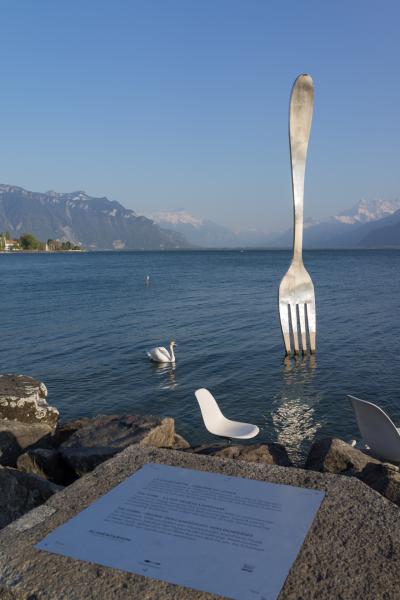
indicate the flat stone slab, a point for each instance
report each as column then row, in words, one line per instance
column 351, row 551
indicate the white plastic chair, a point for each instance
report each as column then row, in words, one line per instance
column 217, row 424
column 377, row 429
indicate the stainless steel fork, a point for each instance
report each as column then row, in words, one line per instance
column 296, row 291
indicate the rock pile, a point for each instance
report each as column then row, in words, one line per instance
column 38, row 455
column 20, row 492
column 80, row 446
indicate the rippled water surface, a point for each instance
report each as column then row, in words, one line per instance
column 82, row 323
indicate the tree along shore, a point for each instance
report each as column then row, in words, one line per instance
column 27, row 242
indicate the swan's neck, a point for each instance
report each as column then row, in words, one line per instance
column 171, row 351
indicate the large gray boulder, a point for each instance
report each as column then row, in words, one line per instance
column 79, row 446
column 16, row 437
column 65, row 430
column 20, row 492
column 93, row 441
column 23, row 399
column 120, row 431
column 331, row 455
column 266, row 454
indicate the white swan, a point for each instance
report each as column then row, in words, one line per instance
column 161, row 354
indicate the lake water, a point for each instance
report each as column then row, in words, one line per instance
column 83, row 322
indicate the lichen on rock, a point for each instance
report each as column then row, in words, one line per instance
column 23, row 399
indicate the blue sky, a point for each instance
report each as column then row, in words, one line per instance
column 181, row 103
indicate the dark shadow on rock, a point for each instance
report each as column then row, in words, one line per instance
column 9, row 449
column 48, row 464
column 83, row 460
column 66, row 430
column 16, row 438
column 20, row 492
column 384, row 478
column 206, row 449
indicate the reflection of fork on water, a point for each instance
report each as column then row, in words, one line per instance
column 293, row 408
column 299, row 363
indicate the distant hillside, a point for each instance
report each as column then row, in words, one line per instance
column 95, row 223
column 384, row 234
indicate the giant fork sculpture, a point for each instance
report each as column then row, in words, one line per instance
column 296, row 291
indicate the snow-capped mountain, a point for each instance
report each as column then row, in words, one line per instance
column 197, row 230
column 348, row 228
column 368, row 210
column 176, row 217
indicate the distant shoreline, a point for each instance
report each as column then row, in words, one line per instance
column 41, row 251
column 180, row 250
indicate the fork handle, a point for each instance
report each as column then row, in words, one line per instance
column 300, row 117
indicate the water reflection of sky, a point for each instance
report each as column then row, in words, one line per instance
column 293, row 408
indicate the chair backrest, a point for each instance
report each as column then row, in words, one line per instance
column 377, row 429
column 210, row 410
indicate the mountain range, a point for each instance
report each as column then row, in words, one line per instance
column 367, row 224
column 94, row 223
column 102, row 224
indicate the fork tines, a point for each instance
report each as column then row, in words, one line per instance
column 295, row 317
